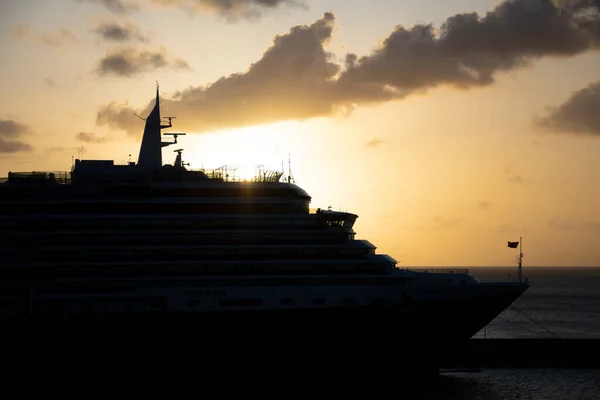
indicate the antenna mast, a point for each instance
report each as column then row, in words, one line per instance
column 520, row 271
column 290, row 179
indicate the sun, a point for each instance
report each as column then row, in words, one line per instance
column 244, row 153
column 245, row 173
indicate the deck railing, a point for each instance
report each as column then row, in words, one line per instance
column 229, row 175
column 61, row 177
column 440, row 270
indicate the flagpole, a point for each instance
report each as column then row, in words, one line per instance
column 520, row 259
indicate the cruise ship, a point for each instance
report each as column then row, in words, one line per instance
column 149, row 241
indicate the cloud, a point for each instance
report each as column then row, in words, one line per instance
column 571, row 224
column 80, row 150
column 375, row 142
column 293, row 80
column 90, row 137
column 21, row 31
column 10, row 134
column 510, row 228
column 128, row 61
column 297, row 78
column 484, row 204
column 579, row 114
column 441, row 222
column 513, row 176
column 120, row 32
column 232, row 9
column 115, row 6
column 469, row 50
column 58, row 38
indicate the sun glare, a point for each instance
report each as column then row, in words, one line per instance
column 243, row 151
column 245, row 173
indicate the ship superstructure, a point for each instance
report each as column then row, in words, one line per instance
column 151, row 241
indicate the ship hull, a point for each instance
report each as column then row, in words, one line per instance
column 348, row 346
column 456, row 316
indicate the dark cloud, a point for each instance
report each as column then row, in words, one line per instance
column 579, row 114
column 90, row 137
column 10, row 134
column 470, row 50
column 11, row 129
column 297, row 78
column 129, row 61
column 232, row 8
column 120, row 32
column 294, row 79
column 115, row 6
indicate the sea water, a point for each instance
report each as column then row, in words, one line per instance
column 564, row 302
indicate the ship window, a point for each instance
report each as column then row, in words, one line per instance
column 318, row 301
column 287, row 302
column 348, row 301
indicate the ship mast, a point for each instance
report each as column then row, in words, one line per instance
column 151, row 149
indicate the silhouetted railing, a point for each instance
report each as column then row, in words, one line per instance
column 60, row 177
column 229, row 175
column 440, row 270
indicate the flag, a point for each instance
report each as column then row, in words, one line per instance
column 513, row 245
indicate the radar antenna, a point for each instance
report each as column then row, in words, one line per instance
column 174, row 134
column 170, row 123
column 178, row 160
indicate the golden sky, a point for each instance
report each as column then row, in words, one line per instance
column 450, row 127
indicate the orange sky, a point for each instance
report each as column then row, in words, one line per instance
column 447, row 139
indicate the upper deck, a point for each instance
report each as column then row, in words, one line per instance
column 148, row 171
column 150, row 187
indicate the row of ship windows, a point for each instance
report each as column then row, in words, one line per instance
column 239, row 191
column 180, row 239
column 158, row 208
column 105, row 288
column 227, row 252
column 256, row 302
column 189, row 254
column 220, row 222
column 175, row 221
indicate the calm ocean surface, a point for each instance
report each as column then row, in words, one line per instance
column 564, row 303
